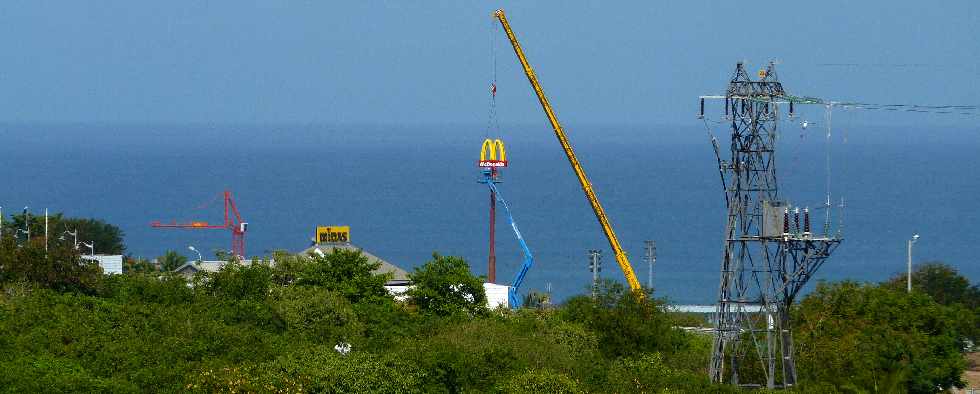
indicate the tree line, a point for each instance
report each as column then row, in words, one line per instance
column 259, row 327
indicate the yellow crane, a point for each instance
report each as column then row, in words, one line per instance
column 600, row 214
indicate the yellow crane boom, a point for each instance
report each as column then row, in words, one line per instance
column 600, row 214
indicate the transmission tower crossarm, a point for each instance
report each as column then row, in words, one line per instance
column 600, row 213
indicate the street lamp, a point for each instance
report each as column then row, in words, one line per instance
column 911, row 242
column 91, row 247
column 199, row 257
column 27, row 224
column 74, row 235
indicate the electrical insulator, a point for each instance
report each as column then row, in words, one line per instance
column 786, row 221
column 796, row 219
column 806, row 221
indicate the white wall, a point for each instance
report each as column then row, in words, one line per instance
column 111, row 264
column 496, row 294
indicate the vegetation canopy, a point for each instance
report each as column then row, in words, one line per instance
column 327, row 324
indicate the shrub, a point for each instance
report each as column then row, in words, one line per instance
column 444, row 286
column 627, row 323
column 877, row 339
column 316, row 314
column 540, row 381
column 320, row 370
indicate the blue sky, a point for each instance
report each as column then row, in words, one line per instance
column 430, row 62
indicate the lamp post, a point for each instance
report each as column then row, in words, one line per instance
column 74, row 235
column 909, row 277
column 90, row 246
column 199, row 257
column 27, row 224
column 595, row 265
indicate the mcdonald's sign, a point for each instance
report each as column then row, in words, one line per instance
column 493, row 154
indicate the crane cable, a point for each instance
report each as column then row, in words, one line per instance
column 493, row 125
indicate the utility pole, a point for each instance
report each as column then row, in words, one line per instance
column 595, row 265
column 909, row 277
column 27, row 224
column 651, row 258
column 45, row 230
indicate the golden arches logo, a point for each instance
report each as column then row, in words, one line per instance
column 493, row 154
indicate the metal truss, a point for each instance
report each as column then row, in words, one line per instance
column 767, row 260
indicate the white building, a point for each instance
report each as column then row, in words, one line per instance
column 497, row 295
column 110, row 263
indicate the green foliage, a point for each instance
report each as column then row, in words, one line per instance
column 170, row 289
column 628, row 323
column 649, row 373
column 947, row 287
column 108, row 238
column 688, row 319
column 542, row 381
column 536, row 299
column 171, row 260
column 346, row 272
column 870, row 338
column 444, row 286
column 316, row 313
column 941, row 282
column 45, row 374
column 319, row 370
column 59, row 268
column 467, row 355
column 252, row 327
column 134, row 265
column 237, row 281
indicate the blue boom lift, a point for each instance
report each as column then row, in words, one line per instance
column 514, row 298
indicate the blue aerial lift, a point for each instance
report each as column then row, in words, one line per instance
column 514, row 298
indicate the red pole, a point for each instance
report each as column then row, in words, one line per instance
column 492, row 260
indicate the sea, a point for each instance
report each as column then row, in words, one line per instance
column 409, row 191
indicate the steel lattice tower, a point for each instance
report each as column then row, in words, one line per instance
column 767, row 258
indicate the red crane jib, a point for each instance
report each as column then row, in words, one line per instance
column 233, row 222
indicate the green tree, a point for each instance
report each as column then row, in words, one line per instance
column 947, row 287
column 941, row 282
column 863, row 337
column 317, row 370
column 444, row 286
column 136, row 264
column 540, row 381
column 316, row 313
column 59, row 267
column 171, row 260
column 347, row 272
column 237, row 281
column 537, row 299
column 628, row 323
column 108, row 239
column 649, row 373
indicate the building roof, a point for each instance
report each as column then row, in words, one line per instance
column 192, row 267
column 397, row 274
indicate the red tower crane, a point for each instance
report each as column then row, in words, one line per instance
column 233, row 222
